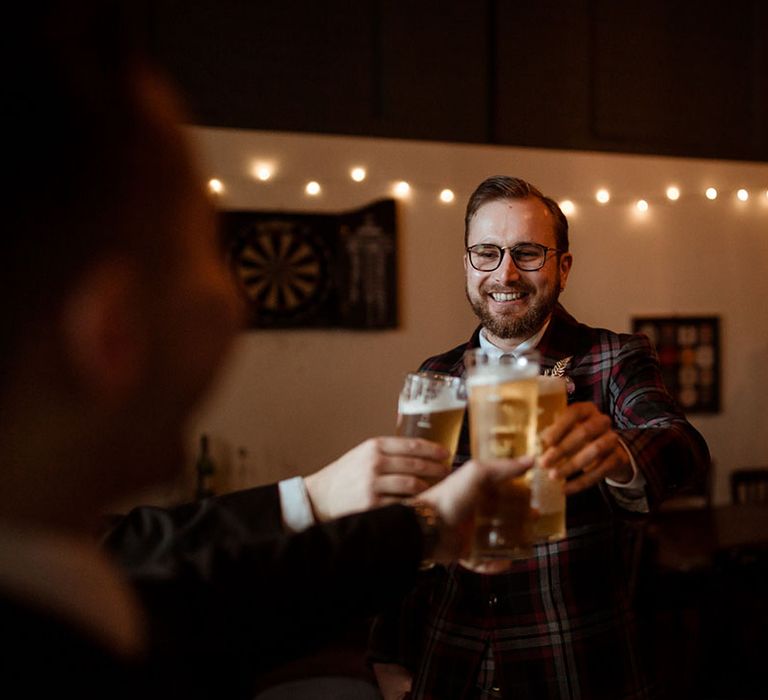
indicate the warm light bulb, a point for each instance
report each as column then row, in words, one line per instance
column 567, row 207
column 603, row 196
column 402, row 189
column 263, row 171
column 447, row 196
column 673, row 193
column 743, row 195
column 641, row 205
column 357, row 174
column 215, row 185
column 711, row 193
column 312, row 188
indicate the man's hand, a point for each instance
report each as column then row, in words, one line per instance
column 582, row 440
column 457, row 496
column 379, row 471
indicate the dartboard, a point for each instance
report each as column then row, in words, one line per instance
column 283, row 269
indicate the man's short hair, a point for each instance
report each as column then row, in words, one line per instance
column 502, row 187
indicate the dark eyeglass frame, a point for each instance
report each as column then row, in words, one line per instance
column 512, row 248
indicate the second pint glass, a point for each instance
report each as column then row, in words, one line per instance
column 503, row 392
column 548, row 497
column 431, row 406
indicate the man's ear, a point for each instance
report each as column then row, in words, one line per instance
column 106, row 332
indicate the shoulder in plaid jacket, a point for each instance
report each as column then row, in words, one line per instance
column 560, row 624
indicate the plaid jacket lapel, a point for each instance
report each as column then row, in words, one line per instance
column 564, row 338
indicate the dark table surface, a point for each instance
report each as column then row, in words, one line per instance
column 687, row 540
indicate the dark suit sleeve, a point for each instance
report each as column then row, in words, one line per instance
column 667, row 449
column 146, row 533
column 233, row 596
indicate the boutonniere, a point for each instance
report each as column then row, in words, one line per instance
column 559, row 371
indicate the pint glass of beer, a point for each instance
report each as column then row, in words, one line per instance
column 547, row 495
column 503, row 392
column 431, row 406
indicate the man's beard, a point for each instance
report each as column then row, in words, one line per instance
column 520, row 326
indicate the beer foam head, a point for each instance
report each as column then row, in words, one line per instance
column 551, row 385
column 496, row 373
column 485, row 367
column 430, row 404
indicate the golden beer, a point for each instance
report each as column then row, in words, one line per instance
column 431, row 406
column 547, row 496
column 503, row 413
column 552, row 401
column 502, row 418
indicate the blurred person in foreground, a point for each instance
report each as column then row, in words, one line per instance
column 117, row 309
column 560, row 624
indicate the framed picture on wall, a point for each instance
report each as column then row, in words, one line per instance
column 689, row 354
column 299, row 270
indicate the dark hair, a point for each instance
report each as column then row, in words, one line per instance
column 93, row 171
column 505, row 187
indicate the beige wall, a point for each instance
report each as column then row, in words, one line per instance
column 297, row 399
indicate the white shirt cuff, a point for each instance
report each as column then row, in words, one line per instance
column 631, row 496
column 637, row 481
column 295, row 505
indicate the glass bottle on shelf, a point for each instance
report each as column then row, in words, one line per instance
column 205, row 470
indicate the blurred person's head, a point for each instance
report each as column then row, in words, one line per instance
column 116, row 304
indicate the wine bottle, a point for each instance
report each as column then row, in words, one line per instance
column 205, row 469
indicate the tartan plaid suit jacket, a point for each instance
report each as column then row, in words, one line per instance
column 560, row 624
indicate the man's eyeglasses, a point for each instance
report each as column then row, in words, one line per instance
column 528, row 257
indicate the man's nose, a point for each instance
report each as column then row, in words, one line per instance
column 507, row 272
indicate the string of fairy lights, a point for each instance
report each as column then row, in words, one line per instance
column 403, row 190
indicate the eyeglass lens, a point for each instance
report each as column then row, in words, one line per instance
column 526, row 256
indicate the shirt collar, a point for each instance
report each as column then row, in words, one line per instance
column 527, row 344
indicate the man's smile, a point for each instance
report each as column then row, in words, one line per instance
column 508, row 296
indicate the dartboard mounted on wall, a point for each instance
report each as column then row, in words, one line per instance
column 283, row 270
column 315, row 270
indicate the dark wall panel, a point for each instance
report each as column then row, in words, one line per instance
column 272, row 64
column 675, row 75
column 660, row 76
column 434, row 69
column 542, row 73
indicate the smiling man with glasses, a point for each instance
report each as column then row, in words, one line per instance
column 560, row 624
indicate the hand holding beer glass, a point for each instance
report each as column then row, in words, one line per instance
column 431, row 406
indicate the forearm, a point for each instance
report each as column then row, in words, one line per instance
column 275, row 596
column 146, row 534
column 666, row 448
column 671, row 457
